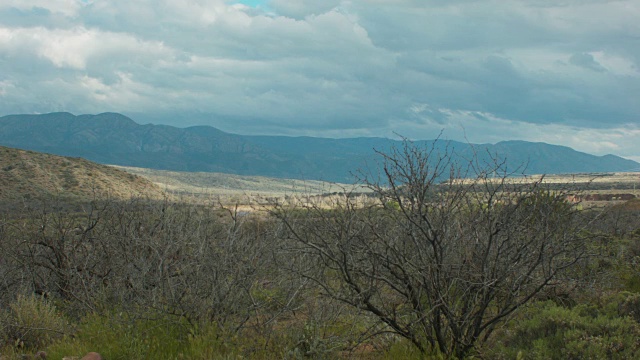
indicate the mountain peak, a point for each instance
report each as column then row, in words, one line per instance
column 110, row 118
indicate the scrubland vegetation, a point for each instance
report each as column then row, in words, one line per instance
column 428, row 267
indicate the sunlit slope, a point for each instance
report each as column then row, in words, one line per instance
column 29, row 174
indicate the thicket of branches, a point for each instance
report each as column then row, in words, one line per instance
column 204, row 263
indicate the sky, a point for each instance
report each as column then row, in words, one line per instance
column 564, row 72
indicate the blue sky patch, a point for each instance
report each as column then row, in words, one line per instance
column 252, row 3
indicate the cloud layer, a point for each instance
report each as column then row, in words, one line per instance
column 540, row 70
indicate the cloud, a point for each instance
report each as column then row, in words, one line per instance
column 42, row 7
column 471, row 126
column 299, row 9
column 586, row 61
column 335, row 67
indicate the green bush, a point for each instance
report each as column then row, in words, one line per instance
column 549, row 331
column 121, row 336
column 31, row 322
column 403, row 349
column 630, row 305
column 208, row 343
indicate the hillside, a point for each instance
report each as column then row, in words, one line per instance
column 112, row 138
column 203, row 184
column 28, row 174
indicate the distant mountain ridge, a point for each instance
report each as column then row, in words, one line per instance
column 113, row 138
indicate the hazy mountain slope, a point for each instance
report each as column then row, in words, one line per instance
column 29, row 174
column 542, row 158
column 115, row 139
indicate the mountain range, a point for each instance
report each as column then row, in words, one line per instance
column 113, row 138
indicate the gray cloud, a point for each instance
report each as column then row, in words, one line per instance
column 586, row 61
column 335, row 68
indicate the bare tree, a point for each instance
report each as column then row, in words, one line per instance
column 444, row 251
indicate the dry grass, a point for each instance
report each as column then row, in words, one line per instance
column 626, row 179
column 28, row 174
column 251, row 193
column 604, row 178
column 589, row 184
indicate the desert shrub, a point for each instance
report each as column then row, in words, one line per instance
column 403, row 349
column 549, row 331
column 31, row 322
column 630, row 305
column 309, row 343
column 209, row 342
column 619, row 265
column 122, row 336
